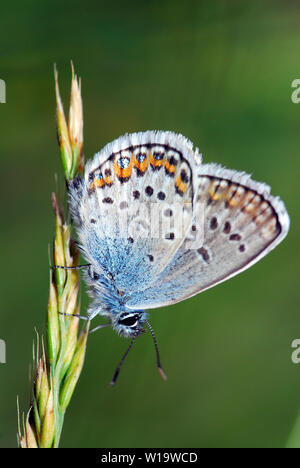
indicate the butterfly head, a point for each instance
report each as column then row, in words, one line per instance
column 129, row 324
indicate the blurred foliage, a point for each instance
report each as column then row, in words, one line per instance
column 220, row 73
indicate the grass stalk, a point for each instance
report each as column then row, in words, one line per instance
column 57, row 367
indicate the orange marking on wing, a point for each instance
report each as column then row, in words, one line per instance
column 229, row 193
column 123, row 173
column 248, row 198
column 181, row 186
column 108, row 181
column 98, row 183
column 216, row 195
column 268, row 227
column 264, row 218
column 238, row 197
column 252, row 207
column 218, row 190
column 212, row 191
column 273, row 224
column 170, row 167
column 156, row 162
column 141, row 166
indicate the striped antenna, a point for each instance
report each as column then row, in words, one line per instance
column 159, row 366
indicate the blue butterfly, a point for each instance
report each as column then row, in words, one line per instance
column 158, row 226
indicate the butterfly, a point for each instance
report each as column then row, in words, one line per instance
column 157, row 226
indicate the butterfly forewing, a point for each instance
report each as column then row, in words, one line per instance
column 137, row 206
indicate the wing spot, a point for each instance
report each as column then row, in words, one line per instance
column 213, row 223
column 184, row 176
column 93, row 221
column 136, row 194
column 227, row 227
column 149, row 191
column 204, row 254
column 139, row 173
column 161, row 195
column 242, row 248
column 141, row 157
column 156, row 158
column 107, row 178
column 170, row 166
column 123, row 168
column 168, row 213
column 173, row 161
column 158, row 155
column 235, row 237
column 123, row 205
column 107, row 200
column 151, row 258
column 123, row 162
column 170, row 236
column 180, row 185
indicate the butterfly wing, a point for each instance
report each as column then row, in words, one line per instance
column 236, row 223
column 125, row 208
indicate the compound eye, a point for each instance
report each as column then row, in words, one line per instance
column 129, row 321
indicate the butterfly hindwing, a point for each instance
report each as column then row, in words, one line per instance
column 236, row 222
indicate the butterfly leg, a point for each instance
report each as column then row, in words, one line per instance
column 77, row 267
column 91, row 272
column 103, row 325
column 74, row 315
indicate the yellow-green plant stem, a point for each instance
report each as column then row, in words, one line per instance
column 57, row 369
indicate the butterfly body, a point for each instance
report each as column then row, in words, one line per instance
column 157, row 226
column 108, row 301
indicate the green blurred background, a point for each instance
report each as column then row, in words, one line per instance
column 219, row 72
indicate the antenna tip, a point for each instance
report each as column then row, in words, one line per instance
column 161, row 371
